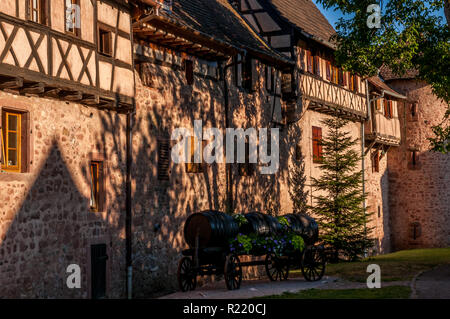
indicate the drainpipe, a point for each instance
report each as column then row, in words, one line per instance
column 363, row 148
column 128, row 217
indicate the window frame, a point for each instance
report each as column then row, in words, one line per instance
column 41, row 11
column 189, row 71
column 193, row 167
column 376, row 161
column 76, row 32
column 163, row 161
column 23, row 138
column 99, row 187
column 5, row 142
column 100, row 46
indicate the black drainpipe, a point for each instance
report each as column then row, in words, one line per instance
column 128, row 218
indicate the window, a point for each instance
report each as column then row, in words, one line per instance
column 342, row 78
column 328, row 70
column 413, row 112
column 14, row 141
column 415, row 230
column 379, row 212
column 73, row 17
column 388, row 111
column 189, row 71
column 145, row 73
column 36, row 11
column 163, row 160
column 335, row 75
column 309, row 62
column 193, row 167
column 353, row 83
column 96, row 169
column 247, row 168
column 317, row 144
column 376, row 161
column 249, row 74
column 413, row 160
column 104, row 42
column 317, row 65
column 270, row 77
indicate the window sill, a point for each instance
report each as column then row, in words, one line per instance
column 15, row 176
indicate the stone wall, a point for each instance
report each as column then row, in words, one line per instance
column 45, row 218
column 419, row 196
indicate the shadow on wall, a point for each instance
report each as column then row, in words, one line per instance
column 52, row 229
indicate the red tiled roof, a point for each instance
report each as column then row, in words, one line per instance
column 387, row 74
column 378, row 82
column 305, row 15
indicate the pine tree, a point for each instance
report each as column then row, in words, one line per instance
column 338, row 204
column 297, row 181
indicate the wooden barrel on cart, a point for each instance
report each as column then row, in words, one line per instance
column 261, row 224
column 213, row 229
column 304, row 226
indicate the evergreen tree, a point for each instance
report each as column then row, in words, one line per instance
column 338, row 204
column 297, row 181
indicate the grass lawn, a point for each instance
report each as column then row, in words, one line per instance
column 391, row 292
column 398, row 266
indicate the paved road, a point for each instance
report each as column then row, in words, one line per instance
column 249, row 289
column 434, row 284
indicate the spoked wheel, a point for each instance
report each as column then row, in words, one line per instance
column 276, row 268
column 187, row 278
column 233, row 272
column 313, row 263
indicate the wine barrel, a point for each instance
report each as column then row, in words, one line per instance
column 213, row 229
column 261, row 224
column 304, row 226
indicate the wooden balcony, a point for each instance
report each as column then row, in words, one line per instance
column 329, row 98
column 383, row 130
column 34, row 59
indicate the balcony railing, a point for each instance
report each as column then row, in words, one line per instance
column 331, row 98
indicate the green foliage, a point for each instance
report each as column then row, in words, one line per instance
column 412, row 37
column 262, row 244
column 339, row 203
column 240, row 219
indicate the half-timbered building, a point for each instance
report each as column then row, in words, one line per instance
column 67, row 83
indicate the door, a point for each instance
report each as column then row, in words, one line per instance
column 98, row 271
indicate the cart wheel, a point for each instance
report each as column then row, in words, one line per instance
column 276, row 268
column 187, row 278
column 233, row 272
column 313, row 263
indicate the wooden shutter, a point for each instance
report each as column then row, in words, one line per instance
column 328, row 67
column 302, row 59
column 24, row 143
column 268, row 74
column 378, row 104
column 309, row 62
column 317, row 147
column 317, row 65
column 163, row 159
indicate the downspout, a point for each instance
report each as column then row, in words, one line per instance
column 363, row 148
column 128, row 218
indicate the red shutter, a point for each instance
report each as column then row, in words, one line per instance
column 391, row 113
column 317, row 148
